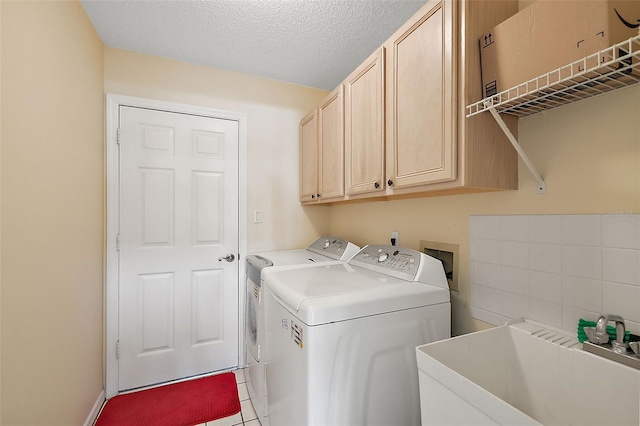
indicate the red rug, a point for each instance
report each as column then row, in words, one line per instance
column 180, row 404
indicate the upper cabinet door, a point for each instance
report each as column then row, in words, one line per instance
column 421, row 99
column 309, row 157
column 331, row 152
column 364, row 126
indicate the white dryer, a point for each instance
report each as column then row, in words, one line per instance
column 322, row 250
column 341, row 338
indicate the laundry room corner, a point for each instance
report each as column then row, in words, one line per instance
column 590, row 168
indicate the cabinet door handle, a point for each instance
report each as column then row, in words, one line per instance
column 390, row 182
column 313, row 197
column 377, row 185
column 317, row 195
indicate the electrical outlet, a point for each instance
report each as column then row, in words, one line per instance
column 394, row 238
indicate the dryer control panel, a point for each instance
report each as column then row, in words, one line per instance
column 334, row 248
column 403, row 263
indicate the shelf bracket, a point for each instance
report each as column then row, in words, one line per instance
column 542, row 186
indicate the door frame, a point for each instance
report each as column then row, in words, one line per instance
column 112, row 220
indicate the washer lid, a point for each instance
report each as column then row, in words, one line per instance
column 293, row 257
column 321, row 294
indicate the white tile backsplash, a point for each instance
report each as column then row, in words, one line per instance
column 514, row 228
column 545, row 286
column 489, row 299
column 515, row 305
column 489, row 275
column 582, row 261
column 622, row 299
column 621, row 265
column 473, row 297
column 474, row 272
column 545, row 229
column 488, row 251
column 514, row 280
column 514, row 254
column 488, row 317
column 555, row 269
column 621, row 231
column 582, row 293
column 582, row 230
column 546, row 312
column 545, row 257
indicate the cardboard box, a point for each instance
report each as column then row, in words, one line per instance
column 551, row 34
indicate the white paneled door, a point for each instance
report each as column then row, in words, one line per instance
column 178, row 295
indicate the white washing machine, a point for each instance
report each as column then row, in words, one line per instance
column 341, row 338
column 322, row 250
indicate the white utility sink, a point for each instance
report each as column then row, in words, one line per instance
column 523, row 374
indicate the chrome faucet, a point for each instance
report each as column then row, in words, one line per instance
column 618, row 351
column 600, row 336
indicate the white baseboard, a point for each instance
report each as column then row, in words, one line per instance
column 95, row 410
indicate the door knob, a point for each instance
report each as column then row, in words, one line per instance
column 390, row 182
column 229, row 258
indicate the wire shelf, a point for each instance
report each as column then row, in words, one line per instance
column 610, row 69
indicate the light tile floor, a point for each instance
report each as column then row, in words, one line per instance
column 247, row 415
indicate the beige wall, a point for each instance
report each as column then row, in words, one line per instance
column 52, row 213
column 588, row 153
column 57, row 71
column 273, row 111
column 53, row 75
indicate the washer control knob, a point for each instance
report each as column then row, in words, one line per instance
column 327, row 244
column 382, row 257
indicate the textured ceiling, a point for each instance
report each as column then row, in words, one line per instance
column 314, row 43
